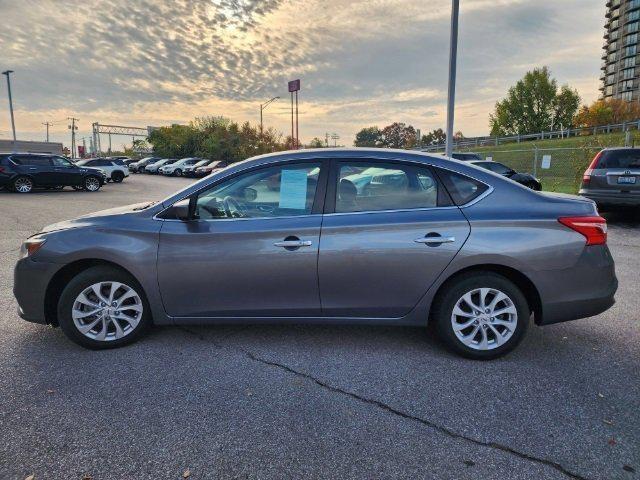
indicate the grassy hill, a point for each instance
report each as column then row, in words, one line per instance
column 569, row 157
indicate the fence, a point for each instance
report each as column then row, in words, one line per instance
column 559, row 169
column 565, row 133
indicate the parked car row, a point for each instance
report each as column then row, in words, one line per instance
column 24, row 172
column 177, row 167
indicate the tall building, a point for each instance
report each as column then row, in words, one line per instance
column 620, row 66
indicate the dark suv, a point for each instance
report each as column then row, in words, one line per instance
column 613, row 178
column 22, row 172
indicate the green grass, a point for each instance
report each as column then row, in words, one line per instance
column 567, row 165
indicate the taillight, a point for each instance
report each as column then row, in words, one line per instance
column 586, row 178
column 1, row 169
column 593, row 228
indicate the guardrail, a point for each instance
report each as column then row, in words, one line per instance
column 564, row 133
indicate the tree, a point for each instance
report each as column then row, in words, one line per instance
column 434, row 137
column 368, row 137
column 316, row 143
column 534, row 104
column 398, row 135
column 603, row 112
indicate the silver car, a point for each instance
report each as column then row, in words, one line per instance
column 360, row 236
column 613, row 178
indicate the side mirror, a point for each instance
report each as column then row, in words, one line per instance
column 181, row 210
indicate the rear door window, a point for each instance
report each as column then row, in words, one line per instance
column 620, row 159
column 364, row 186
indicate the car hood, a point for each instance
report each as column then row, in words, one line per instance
column 94, row 217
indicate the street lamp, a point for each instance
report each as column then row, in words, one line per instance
column 262, row 107
column 451, row 95
column 13, row 124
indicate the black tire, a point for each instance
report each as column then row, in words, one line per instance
column 22, row 184
column 177, row 172
column 453, row 291
column 117, row 176
column 91, row 183
column 84, row 280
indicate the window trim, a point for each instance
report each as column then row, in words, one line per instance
column 329, row 172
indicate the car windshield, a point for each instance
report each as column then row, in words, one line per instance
column 623, row 158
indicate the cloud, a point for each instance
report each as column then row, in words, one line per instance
column 363, row 62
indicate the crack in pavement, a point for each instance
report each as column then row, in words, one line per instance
column 383, row 406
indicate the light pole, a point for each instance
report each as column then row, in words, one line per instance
column 13, row 123
column 262, row 107
column 451, row 95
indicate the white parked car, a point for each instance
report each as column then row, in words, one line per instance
column 155, row 167
column 178, row 168
column 115, row 170
column 190, row 171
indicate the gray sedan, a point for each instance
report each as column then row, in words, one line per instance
column 327, row 236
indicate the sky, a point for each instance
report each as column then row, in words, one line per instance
column 361, row 62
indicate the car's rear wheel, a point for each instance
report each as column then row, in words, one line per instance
column 178, row 172
column 103, row 307
column 22, row 184
column 481, row 315
column 117, row 176
column 91, row 184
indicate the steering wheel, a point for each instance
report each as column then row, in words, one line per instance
column 232, row 207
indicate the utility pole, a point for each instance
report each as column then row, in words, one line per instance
column 13, row 123
column 262, row 107
column 451, row 95
column 326, row 139
column 47, row 125
column 73, row 128
column 297, row 135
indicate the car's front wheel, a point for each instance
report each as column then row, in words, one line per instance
column 178, row 172
column 103, row 307
column 91, row 184
column 481, row 315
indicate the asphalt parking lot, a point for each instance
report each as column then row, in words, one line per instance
column 313, row 401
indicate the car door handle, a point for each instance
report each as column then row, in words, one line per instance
column 435, row 240
column 293, row 243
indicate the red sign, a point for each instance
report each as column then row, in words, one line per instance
column 81, row 150
column 294, row 85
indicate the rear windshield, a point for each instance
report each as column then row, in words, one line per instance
column 620, row 159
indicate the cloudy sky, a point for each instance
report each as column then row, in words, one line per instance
column 361, row 62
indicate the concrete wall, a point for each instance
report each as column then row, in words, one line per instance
column 7, row 146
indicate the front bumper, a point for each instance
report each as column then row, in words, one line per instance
column 30, row 281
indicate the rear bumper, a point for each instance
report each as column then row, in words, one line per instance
column 584, row 290
column 611, row 198
column 30, row 281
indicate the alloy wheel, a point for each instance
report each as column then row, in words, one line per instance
column 484, row 318
column 107, row 311
column 23, row 185
column 92, row 184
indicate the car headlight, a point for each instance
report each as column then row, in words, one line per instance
column 31, row 245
